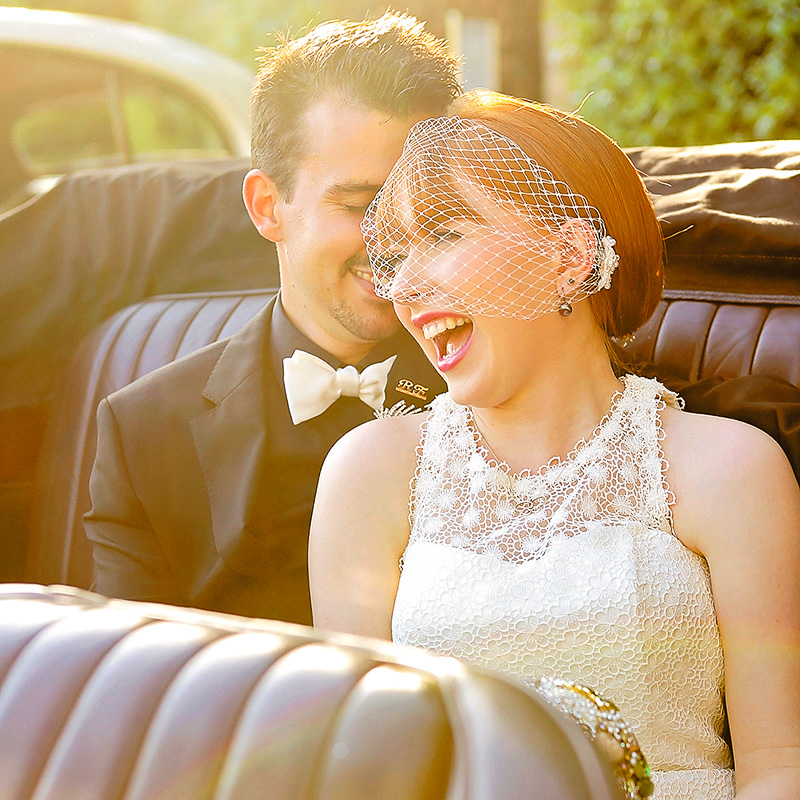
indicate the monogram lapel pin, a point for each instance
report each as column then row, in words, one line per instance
column 412, row 389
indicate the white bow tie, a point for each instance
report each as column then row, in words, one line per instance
column 312, row 385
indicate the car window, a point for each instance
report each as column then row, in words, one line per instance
column 65, row 134
column 159, row 121
column 56, row 110
column 74, row 113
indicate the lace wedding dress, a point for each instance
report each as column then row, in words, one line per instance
column 573, row 572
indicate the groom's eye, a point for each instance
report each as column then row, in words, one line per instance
column 355, row 208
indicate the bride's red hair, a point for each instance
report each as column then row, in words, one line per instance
column 592, row 165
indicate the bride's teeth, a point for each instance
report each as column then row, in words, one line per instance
column 441, row 325
column 451, row 348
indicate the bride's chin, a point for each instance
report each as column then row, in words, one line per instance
column 465, row 394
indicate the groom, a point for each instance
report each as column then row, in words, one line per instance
column 206, row 469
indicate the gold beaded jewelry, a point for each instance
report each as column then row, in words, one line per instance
column 601, row 719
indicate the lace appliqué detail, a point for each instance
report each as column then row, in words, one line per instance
column 573, row 571
column 463, row 496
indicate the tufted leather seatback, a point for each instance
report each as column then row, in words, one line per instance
column 131, row 343
column 692, row 334
column 695, row 334
column 115, row 700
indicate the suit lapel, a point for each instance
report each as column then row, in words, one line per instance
column 230, row 438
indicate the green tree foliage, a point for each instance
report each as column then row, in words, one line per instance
column 675, row 72
column 234, row 27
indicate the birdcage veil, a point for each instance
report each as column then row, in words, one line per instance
column 467, row 219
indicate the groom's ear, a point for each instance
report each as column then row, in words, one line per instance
column 578, row 243
column 261, row 197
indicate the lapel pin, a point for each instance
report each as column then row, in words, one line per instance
column 412, row 389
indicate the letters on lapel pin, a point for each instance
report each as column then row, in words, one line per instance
column 413, row 389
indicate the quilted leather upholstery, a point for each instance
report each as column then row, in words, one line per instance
column 695, row 334
column 131, row 343
column 115, row 700
column 692, row 334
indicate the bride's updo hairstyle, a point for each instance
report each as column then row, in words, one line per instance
column 594, row 167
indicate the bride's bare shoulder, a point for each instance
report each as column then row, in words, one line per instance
column 361, row 504
column 380, row 447
column 726, row 446
column 722, row 470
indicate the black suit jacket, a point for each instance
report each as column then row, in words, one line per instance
column 175, row 478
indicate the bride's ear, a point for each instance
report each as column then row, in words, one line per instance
column 578, row 245
column 262, row 198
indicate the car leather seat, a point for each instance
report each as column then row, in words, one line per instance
column 692, row 335
column 118, row 700
column 131, row 343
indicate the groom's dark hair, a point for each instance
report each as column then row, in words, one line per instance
column 389, row 64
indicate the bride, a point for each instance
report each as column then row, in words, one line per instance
column 546, row 517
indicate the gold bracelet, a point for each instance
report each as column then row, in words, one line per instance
column 601, row 719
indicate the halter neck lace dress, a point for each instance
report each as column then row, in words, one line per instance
column 573, row 572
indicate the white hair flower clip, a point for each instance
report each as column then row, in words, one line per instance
column 608, row 261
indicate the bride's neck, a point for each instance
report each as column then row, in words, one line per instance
column 562, row 405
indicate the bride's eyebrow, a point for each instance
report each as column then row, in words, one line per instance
column 446, row 211
column 435, row 199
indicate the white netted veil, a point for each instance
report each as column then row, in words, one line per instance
column 468, row 220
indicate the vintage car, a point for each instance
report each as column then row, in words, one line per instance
column 107, row 698
column 81, row 91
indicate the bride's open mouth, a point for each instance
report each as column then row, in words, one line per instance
column 451, row 336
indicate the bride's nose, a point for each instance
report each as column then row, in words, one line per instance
column 405, row 287
column 414, row 280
